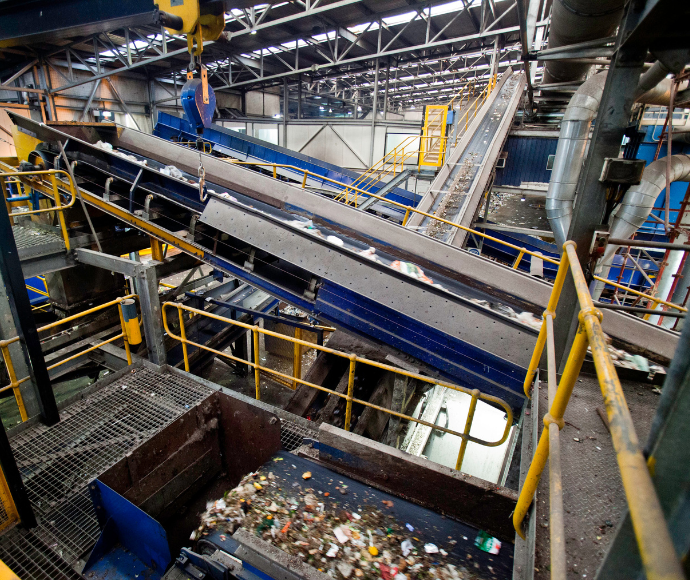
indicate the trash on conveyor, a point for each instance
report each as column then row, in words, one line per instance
column 367, row 544
column 411, row 270
column 487, row 543
column 172, row 171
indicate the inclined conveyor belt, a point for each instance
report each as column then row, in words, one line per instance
column 345, row 267
column 250, row 149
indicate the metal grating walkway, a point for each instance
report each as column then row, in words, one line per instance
column 57, row 462
column 33, row 241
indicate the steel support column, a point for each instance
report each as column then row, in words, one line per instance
column 373, row 112
column 146, row 286
column 20, row 359
column 588, row 213
column 18, row 301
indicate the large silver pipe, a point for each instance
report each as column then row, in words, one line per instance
column 574, row 21
column 570, row 153
column 650, row 79
column 639, row 200
column 574, row 136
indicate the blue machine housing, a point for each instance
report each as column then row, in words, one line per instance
column 198, row 113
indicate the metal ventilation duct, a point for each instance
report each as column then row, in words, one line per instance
column 574, row 136
column 575, row 21
column 639, row 200
column 570, row 153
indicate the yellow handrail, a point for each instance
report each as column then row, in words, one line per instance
column 654, row 541
column 4, row 348
column 59, row 208
column 353, row 360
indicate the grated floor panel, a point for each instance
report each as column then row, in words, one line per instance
column 58, row 462
column 28, row 238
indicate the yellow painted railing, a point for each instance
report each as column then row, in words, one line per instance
column 35, row 179
column 471, row 112
column 649, row 297
column 353, row 359
column 5, row 344
column 654, row 541
column 6, row 573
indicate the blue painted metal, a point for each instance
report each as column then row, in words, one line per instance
column 199, row 114
column 130, row 538
column 526, row 160
column 246, row 148
column 35, row 298
column 508, row 255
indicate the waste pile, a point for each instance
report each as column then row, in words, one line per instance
column 322, row 529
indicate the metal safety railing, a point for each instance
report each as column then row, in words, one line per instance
column 126, row 334
column 51, row 191
column 391, row 163
column 6, row 573
column 654, row 299
column 654, row 541
column 9, row 514
column 292, row 381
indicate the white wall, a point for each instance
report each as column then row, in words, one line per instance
column 262, row 103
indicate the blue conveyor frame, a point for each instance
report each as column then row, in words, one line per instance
column 246, row 148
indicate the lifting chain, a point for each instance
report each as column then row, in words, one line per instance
column 203, row 194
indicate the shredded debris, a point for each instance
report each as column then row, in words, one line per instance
column 368, row 543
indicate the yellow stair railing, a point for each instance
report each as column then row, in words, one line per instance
column 291, row 381
column 35, row 180
column 654, row 541
column 130, row 334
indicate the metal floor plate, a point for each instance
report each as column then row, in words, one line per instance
column 58, row 462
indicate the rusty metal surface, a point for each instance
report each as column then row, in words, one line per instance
column 593, row 496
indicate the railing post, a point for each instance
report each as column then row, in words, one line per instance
column 183, row 335
column 519, row 258
column 304, row 180
column 407, row 215
column 468, row 427
column 13, row 382
column 275, row 172
column 297, row 358
column 60, row 216
column 541, row 455
column 350, row 390
column 124, row 338
column 257, row 371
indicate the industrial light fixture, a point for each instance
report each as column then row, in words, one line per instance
column 253, row 32
column 317, row 97
column 321, row 109
column 330, row 110
column 359, row 108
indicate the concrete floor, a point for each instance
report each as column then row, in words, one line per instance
column 593, row 495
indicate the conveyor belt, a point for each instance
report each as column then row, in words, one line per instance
column 459, row 186
column 455, row 537
column 247, row 148
column 440, row 324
